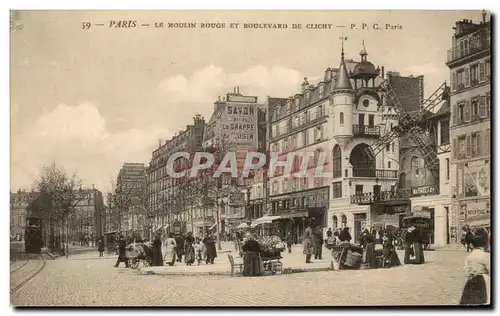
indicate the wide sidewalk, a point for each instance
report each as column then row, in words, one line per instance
column 294, row 262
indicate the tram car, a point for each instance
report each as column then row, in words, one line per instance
column 33, row 235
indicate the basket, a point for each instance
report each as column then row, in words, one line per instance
column 353, row 259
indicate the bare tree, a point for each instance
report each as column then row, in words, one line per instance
column 61, row 194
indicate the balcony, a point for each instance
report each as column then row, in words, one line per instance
column 375, row 173
column 385, row 196
column 366, row 131
column 475, row 46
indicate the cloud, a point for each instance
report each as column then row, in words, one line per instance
column 198, row 92
column 79, row 138
column 76, row 138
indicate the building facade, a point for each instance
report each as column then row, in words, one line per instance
column 469, row 61
column 170, row 200
column 131, row 199
column 238, row 125
column 19, row 202
column 87, row 221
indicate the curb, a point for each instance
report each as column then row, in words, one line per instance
column 227, row 273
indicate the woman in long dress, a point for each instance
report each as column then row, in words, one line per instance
column 477, row 265
column 168, row 249
column 308, row 243
column 210, row 249
column 252, row 261
column 157, row 256
column 189, row 254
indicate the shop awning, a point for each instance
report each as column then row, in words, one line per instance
column 264, row 220
column 242, row 226
column 479, row 220
column 294, row 215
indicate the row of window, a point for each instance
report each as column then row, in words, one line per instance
column 470, row 75
column 295, row 184
column 297, row 121
column 471, row 110
column 298, row 140
column 472, row 145
column 305, row 201
column 294, row 105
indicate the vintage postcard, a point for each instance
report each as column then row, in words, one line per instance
column 250, row 158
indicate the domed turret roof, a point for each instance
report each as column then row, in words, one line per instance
column 365, row 69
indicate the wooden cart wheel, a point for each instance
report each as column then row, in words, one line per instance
column 148, row 261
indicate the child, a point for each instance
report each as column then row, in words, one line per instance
column 198, row 250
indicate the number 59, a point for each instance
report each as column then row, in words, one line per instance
column 86, row 25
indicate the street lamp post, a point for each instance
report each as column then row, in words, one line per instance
column 219, row 246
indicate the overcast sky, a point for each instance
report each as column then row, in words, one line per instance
column 93, row 99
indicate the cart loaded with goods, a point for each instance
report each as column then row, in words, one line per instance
column 347, row 256
column 271, row 248
column 139, row 252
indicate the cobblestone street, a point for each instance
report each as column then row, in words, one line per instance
column 89, row 281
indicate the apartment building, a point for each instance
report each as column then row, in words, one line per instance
column 169, row 198
column 469, row 61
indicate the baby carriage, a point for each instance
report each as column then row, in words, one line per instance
column 140, row 252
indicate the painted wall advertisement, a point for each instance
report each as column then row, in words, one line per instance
column 239, row 125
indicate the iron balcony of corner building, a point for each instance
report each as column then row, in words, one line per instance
column 477, row 45
column 397, row 194
column 366, row 131
column 374, row 173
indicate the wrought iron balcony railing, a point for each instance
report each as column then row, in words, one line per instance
column 366, row 131
column 404, row 193
column 375, row 173
column 475, row 45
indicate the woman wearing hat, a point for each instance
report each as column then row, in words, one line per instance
column 477, row 265
column 252, row 262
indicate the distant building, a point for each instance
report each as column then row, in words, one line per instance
column 86, row 224
column 169, row 198
column 131, row 198
column 469, row 61
column 19, row 203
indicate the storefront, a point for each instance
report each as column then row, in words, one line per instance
column 390, row 213
column 299, row 209
column 475, row 213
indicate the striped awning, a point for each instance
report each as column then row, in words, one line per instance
column 264, row 220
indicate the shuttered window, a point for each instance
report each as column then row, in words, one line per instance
column 468, row 146
column 467, row 111
column 453, row 81
column 454, row 114
column 467, row 77
column 455, row 148
column 482, row 106
column 482, row 75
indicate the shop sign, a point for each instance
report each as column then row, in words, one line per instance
column 425, row 190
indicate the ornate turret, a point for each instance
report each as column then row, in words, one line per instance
column 365, row 70
column 342, row 82
column 342, row 96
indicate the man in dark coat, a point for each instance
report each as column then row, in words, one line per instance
column 289, row 242
column 318, row 243
column 179, row 247
column 157, row 255
column 211, row 250
column 122, row 256
column 100, row 246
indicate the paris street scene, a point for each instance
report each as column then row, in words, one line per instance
column 250, row 158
